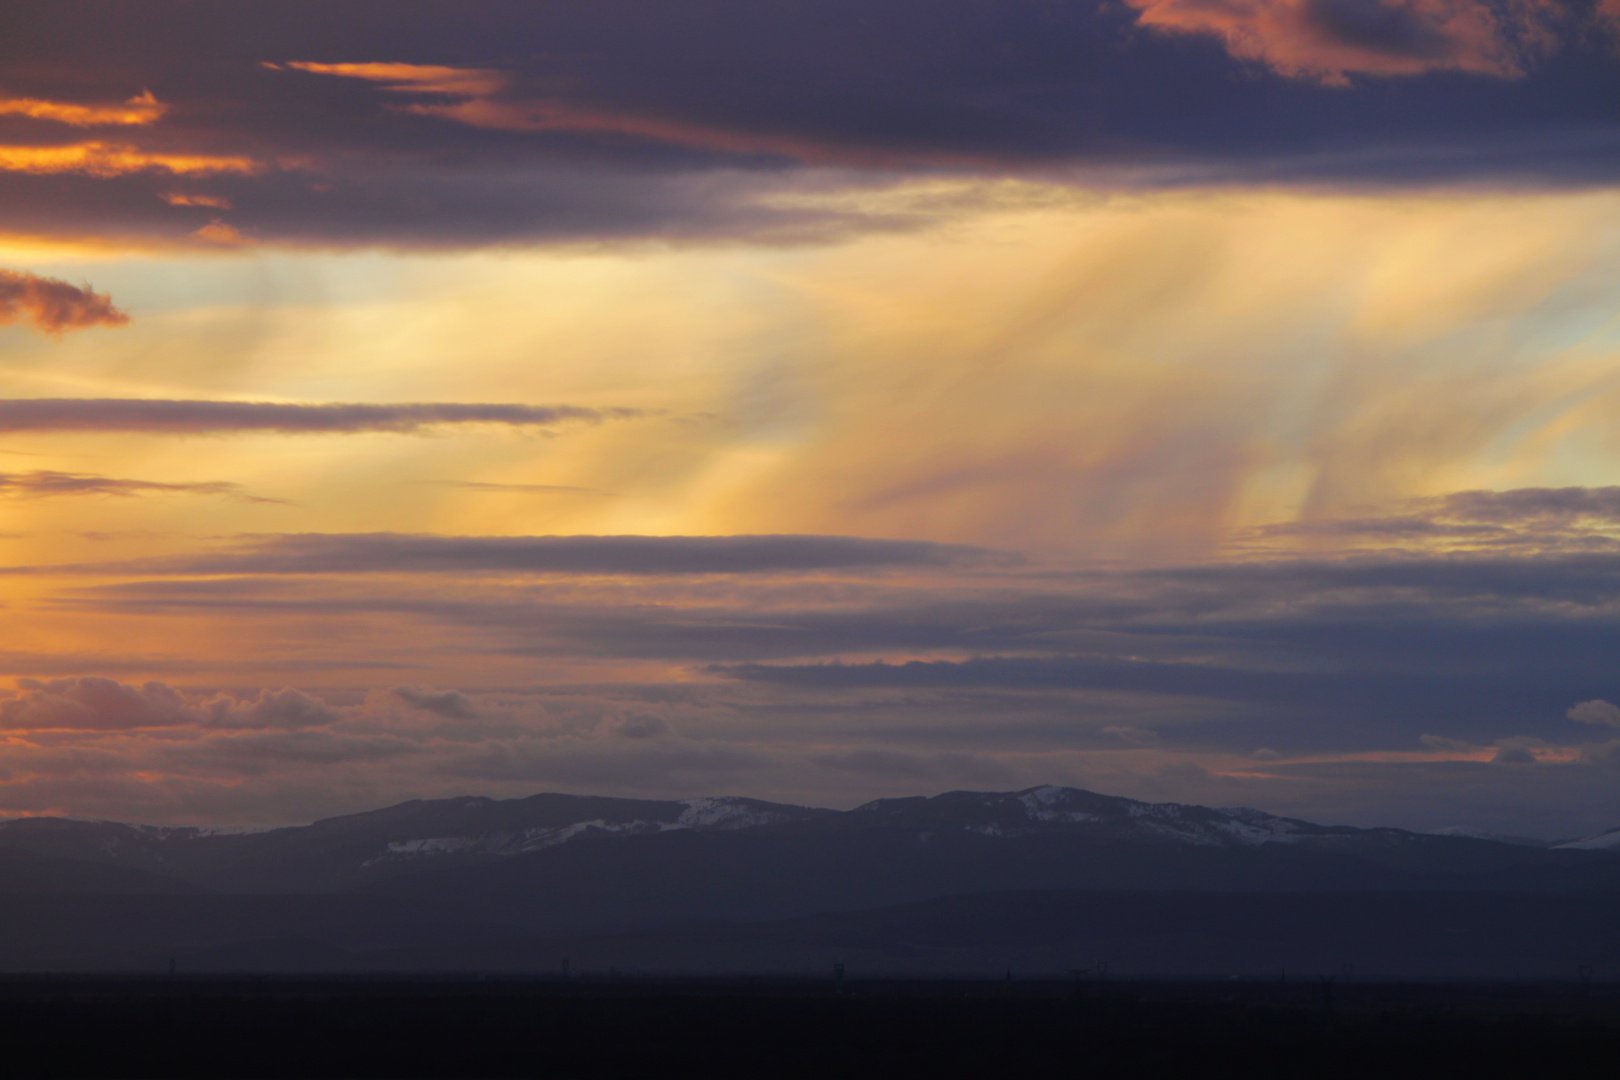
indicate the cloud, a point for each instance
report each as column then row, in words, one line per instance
column 105, row 160
column 1532, row 504
column 486, row 99
column 641, row 727
column 1447, row 745
column 1569, row 518
column 53, row 306
column 527, row 489
column 1328, row 40
column 143, row 108
column 285, row 709
column 1515, row 752
column 44, row 483
column 634, row 120
column 189, row 198
column 93, row 704
column 363, row 553
column 1135, row 736
column 1595, row 712
column 413, row 78
column 96, row 704
column 221, row 417
column 450, row 704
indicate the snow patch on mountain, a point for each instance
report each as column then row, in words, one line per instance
column 1604, row 841
column 1042, row 802
column 727, row 813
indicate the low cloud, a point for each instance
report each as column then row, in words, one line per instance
column 450, row 704
column 223, row 417
column 1595, row 712
column 1571, row 518
column 1515, row 752
column 92, row 704
column 644, row 726
column 96, row 704
column 52, row 306
column 284, row 709
column 1532, row 504
column 1444, row 744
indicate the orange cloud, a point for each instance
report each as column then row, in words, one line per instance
column 141, row 109
column 181, row 198
column 53, row 306
column 217, row 232
column 1329, row 40
column 412, row 78
column 113, row 159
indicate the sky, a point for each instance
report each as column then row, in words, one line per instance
column 1198, row 400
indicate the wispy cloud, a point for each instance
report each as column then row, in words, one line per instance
column 53, row 306
column 526, row 489
column 220, row 417
column 45, row 483
column 104, row 159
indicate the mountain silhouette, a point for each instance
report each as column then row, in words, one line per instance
column 504, row 884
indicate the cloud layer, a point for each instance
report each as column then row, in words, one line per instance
column 393, row 553
column 641, row 121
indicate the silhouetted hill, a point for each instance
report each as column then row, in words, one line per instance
column 358, row 849
column 804, row 868
column 474, row 883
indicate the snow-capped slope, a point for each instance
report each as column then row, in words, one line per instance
column 1060, row 809
column 1603, row 841
column 708, row 813
column 1066, row 827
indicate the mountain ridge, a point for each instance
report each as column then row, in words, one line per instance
column 422, row 840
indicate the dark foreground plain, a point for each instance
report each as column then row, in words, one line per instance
column 634, row 1027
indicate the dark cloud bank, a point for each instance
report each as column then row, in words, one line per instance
column 639, row 118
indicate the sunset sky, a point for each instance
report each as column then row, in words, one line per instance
column 1201, row 400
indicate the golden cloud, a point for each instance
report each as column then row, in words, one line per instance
column 413, row 78
column 183, row 198
column 114, row 159
column 141, row 109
